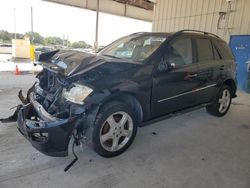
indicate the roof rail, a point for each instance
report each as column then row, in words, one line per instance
column 197, row 31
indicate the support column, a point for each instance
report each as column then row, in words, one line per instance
column 97, row 26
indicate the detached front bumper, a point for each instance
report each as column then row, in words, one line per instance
column 49, row 135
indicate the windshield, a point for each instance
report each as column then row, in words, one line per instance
column 134, row 48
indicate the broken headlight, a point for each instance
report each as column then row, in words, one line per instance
column 77, row 93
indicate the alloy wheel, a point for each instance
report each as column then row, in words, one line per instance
column 224, row 101
column 116, row 131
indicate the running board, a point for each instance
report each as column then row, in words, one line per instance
column 170, row 115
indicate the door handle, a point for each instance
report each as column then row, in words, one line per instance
column 190, row 76
column 222, row 67
column 193, row 75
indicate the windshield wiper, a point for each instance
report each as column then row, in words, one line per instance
column 112, row 56
column 124, row 59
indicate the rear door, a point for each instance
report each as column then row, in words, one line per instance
column 174, row 89
column 209, row 63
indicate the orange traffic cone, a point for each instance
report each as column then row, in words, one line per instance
column 17, row 72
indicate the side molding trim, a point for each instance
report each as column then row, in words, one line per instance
column 196, row 90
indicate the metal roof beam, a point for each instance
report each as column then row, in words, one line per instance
column 130, row 9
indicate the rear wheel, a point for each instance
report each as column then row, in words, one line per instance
column 114, row 129
column 222, row 102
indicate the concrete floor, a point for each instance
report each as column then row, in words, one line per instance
column 193, row 150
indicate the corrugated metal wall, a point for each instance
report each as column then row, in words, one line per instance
column 174, row 15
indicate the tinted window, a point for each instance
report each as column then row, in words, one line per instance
column 205, row 50
column 224, row 50
column 180, row 52
column 217, row 55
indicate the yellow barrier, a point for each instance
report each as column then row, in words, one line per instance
column 32, row 53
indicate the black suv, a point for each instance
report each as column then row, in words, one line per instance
column 101, row 99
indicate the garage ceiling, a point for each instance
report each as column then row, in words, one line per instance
column 137, row 9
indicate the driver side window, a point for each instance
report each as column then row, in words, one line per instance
column 180, row 52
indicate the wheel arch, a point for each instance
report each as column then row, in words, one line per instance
column 231, row 83
column 127, row 98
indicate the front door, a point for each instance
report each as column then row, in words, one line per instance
column 175, row 88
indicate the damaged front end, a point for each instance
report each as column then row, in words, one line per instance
column 46, row 119
column 65, row 100
column 53, row 111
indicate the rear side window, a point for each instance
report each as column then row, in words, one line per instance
column 224, row 50
column 204, row 49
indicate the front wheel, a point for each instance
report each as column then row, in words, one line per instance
column 222, row 102
column 114, row 129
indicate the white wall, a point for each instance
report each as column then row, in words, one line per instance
column 174, row 15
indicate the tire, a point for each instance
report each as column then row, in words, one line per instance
column 114, row 129
column 221, row 103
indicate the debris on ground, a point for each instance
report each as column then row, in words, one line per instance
column 25, row 101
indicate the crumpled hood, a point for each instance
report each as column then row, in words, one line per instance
column 75, row 63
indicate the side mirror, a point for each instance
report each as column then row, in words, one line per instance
column 165, row 66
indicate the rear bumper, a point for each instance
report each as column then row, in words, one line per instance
column 49, row 136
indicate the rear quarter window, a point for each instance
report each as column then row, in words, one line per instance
column 224, row 50
column 217, row 55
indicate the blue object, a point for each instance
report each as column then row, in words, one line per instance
column 240, row 46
